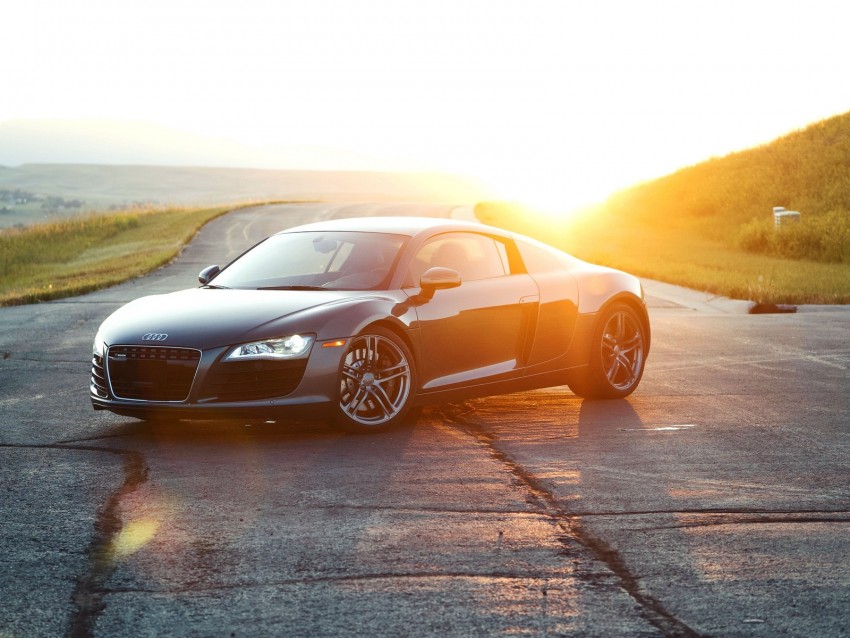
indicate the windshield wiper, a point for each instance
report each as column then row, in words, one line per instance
column 214, row 287
column 293, row 288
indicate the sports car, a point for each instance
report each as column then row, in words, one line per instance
column 362, row 321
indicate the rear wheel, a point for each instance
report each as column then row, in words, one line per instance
column 617, row 355
column 376, row 382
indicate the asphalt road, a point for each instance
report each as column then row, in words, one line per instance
column 713, row 502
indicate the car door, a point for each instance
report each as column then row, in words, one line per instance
column 558, row 307
column 478, row 331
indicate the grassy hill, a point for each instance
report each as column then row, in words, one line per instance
column 710, row 226
column 808, row 170
column 731, row 199
column 101, row 187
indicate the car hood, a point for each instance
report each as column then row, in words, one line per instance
column 206, row 318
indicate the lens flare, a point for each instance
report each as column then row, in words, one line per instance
column 133, row 536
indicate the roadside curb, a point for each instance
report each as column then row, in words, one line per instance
column 714, row 304
column 696, row 300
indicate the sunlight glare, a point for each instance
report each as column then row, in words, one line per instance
column 543, row 195
column 555, row 104
column 133, row 536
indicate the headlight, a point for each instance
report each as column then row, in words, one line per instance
column 289, row 347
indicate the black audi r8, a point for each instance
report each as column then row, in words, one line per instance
column 366, row 319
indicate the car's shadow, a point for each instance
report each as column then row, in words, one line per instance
column 135, row 432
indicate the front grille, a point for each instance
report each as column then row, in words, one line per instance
column 98, row 377
column 147, row 373
column 252, row 380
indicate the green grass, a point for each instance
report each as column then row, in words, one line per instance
column 681, row 255
column 82, row 254
column 730, row 199
column 824, row 238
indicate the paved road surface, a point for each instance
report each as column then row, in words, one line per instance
column 713, row 502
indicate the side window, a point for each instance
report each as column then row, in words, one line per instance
column 473, row 256
column 538, row 260
column 503, row 255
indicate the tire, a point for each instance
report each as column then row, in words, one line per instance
column 617, row 355
column 377, row 378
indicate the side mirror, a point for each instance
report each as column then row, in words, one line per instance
column 207, row 274
column 438, row 278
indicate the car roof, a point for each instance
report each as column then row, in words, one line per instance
column 410, row 226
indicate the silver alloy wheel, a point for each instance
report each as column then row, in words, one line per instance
column 375, row 382
column 622, row 350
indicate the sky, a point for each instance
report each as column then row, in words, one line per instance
column 557, row 103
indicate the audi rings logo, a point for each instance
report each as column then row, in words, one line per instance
column 154, row 336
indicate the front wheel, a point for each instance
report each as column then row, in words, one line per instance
column 376, row 382
column 617, row 355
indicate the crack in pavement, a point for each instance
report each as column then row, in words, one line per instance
column 786, row 520
column 99, row 437
column 414, row 510
column 720, row 511
column 652, row 609
column 496, row 575
column 89, row 591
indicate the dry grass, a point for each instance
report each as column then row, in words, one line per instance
column 78, row 255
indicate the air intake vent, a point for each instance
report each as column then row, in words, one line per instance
column 98, row 384
column 151, row 374
column 252, row 380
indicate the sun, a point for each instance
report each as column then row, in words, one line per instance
column 542, row 195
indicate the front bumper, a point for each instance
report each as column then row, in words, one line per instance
column 228, row 390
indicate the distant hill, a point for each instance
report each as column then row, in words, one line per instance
column 807, row 171
column 99, row 187
column 51, row 168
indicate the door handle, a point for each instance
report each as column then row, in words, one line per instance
column 530, row 299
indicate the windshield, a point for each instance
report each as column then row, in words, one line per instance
column 322, row 260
